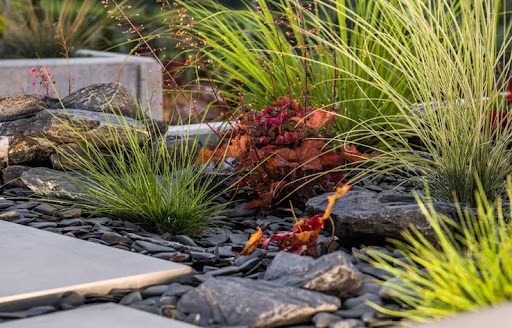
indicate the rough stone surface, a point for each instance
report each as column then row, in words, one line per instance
column 50, row 183
column 33, row 139
column 231, row 301
column 110, row 97
column 11, row 175
column 12, row 108
column 368, row 215
column 332, row 273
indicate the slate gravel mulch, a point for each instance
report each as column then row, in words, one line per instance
column 212, row 256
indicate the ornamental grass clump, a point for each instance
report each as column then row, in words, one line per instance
column 447, row 54
column 52, row 28
column 132, row 173
column 467, row 267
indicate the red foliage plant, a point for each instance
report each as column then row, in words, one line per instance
column 278, row 148
column 303, row 236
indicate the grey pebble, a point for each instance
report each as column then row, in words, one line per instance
column 130, row 298
column 45, row 209
column 38, row 310
column 217, row 239
column 150, row 247
column 325, row 319
column 70, row 300
column 177, row 289
column 350, row 323
column 202, row 256
column 238, row 238
column 164, row 255
column 184, row 240
column 156, row 290
column 42, row 225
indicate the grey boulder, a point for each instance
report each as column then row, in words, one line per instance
column 366, row 215
column 110, row 97
column 231, row 301
column 332, row 273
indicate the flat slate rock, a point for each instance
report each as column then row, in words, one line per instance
column 370, row 216
column 97, row 315
column 232, row 301
column 39, row 266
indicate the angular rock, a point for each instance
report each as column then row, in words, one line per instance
column 332, row 273
column 11, row 176
column 51, row 183
column 367, row 216
column 12, row 108
column 230, row 301
column 110, row 97
column 34, row 139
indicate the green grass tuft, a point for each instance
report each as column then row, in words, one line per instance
column 134, row 175
column 467, row 267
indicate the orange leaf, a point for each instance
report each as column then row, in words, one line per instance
column 340, row 191
column 253, row 242
column 319, row 118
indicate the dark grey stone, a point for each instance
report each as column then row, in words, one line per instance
column 42, row 225
column 238, row 238
column 164, row 255
column 155, row 241
column 217, row 239
column 225, row 271
column 131, row 298
column 366, row 215
column 358, row 301
column 156, row 290
column 16, row 107
column 5, row 203
column 39, row 310
column 177, row 289
column 110, row 97
column 184, row 240
column 324, row 319
column 350, row 323
column 70, row 300
column 11, row 175
column 114, row 238
column 46, row 209
column 332, row 273
column 258, row 253
column 51, row 183
column 203, row 256
column 229, row 301
column 152, row 248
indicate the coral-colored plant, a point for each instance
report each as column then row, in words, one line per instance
column 43, row 77
column 302, row 238
column 279, row 147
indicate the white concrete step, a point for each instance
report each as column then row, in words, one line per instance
column 97, row 315
column 38, row 266
column 499, row 316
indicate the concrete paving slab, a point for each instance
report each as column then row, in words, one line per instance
column 38, row 265
column 98, row 315
column 499, row 316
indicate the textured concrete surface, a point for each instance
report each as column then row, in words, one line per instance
column 98, row 315
column 499, row 316
column 38, row 265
